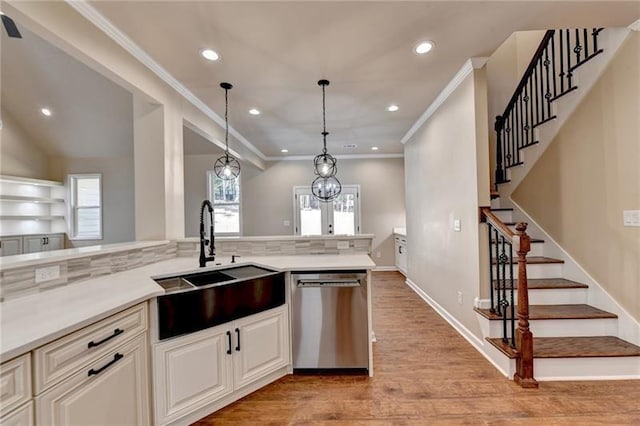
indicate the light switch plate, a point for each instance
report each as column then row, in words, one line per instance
column 47, row 274
column 631, row 217
column 286, row 223
column 456, row 225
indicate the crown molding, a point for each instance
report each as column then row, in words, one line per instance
column 635, row 26
column 97, row 19
column 467, row 68
column 338, row 157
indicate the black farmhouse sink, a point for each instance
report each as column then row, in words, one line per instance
column 194, row 302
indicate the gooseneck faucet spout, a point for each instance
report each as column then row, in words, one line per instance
column 203, row 238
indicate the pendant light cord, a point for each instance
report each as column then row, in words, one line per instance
column 324, row 122
column 226, row 121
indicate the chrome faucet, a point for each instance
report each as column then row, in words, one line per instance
column 203, row 240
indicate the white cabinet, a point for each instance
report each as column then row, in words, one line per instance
column 96, row 375
column 38, row 243
column 113, row 390
column 401, row 253
column 10, row 246
column 23, row 416
column 193, row 371
column 15, row 390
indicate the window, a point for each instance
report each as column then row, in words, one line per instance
column 225, row 196
column 85, row 206
column 339, row 217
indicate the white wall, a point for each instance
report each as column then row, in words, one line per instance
column 20, row 156
column 441, row 166
column 117, row 194
column 267, row 196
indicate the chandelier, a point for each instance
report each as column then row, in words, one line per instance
column 226, row 167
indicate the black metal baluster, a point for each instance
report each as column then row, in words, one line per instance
column 491, row 284
column 553, row 65
column 577, row 48
column 534, row 94
column 525, row 116
column 595, row 39
column 500, row 175
column 561, row 57
column 542, row 91
column 503, row 298
column 512, row 305
column 531, row 122
column 586, row 42
column 568, row 55
column 513, row 134
column 519, row 127
column 547, row 94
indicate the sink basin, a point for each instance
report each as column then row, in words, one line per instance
column 206, row 278
column 197, row 301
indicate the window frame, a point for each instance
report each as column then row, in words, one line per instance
column 72, row 180
column 210, row 196
column 325, row 209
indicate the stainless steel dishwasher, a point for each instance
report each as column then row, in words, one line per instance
column 330, row 321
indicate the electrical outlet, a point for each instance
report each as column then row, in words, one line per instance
column 459, row 297
column 343, row 245
column 286, row 223
column 378, row 255
column 456, row 225
column 631, row 217
column 47, row 274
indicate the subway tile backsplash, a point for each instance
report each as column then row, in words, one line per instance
column 20, row 281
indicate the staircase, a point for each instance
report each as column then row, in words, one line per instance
column 554, row 330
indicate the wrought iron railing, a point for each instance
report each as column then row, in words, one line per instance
column 548, row 77
column 503, row 244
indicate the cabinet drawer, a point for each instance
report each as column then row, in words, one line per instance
column 59, row 359
column 20, row 417
column 15, row 383
column 112, row 390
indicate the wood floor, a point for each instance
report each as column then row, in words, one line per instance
column 427, row 374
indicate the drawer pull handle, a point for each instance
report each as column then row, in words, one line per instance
column 117, row 357
column 238, row 345
column 229, row 338
column 116, row 332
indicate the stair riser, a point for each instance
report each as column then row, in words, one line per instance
column 505, row 216
column 564, row 296
column 543, row 270
column 598, row 368
column 565, row 327
column 537, row 249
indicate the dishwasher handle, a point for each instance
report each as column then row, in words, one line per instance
column 320, row 283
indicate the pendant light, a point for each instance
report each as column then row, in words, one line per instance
column 326, row 187
column 226, row 167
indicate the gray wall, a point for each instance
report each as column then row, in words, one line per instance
column 267, row 196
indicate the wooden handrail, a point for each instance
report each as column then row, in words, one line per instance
column 486, row 215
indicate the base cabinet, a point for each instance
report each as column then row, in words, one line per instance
column 191, row 372
column 38, row 243
column 111, row 391
column 23, row 416
column 10, row 246
column 401, row 253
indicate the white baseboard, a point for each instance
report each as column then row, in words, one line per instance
column 385, row 269
column 477, row 343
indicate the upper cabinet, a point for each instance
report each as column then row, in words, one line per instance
column 31, row 206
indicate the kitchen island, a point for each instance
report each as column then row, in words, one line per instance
column 40, row 320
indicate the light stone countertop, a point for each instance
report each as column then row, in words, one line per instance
column 400, row 231
column 32, row 321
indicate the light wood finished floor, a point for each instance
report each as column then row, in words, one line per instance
column 427, row 374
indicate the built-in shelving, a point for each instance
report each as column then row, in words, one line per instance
column 31, row 206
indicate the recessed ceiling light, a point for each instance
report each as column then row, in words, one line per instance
column 46, row 111
column 210, row 55
column 423, row 47
column 374, row 148
column 393, row 108
column 254, row 111
column 284, row 151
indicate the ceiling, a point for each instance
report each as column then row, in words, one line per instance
column 92, row 116
column 275, row 52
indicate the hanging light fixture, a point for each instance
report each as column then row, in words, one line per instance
column 226, row 167
column 326, row 187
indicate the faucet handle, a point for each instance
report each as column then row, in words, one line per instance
column 233, row 258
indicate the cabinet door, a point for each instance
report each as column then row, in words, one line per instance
column 10, row 246
column 32, row 244
column 23, row 416
column 191, row 372
column 111, row 391
column 54, row 242
column 398, row 251
column 261, row 345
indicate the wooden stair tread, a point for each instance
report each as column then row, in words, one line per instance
column 533, row 260
column 547, row 284
column 552, row 312
column 533, row 241
column 574, row 347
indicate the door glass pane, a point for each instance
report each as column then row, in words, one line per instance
column 310, row 215
column 344, row 215
column 226, row 218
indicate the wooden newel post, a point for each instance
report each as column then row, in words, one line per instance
column 524, row 339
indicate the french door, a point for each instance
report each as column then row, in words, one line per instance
column 338, row 217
